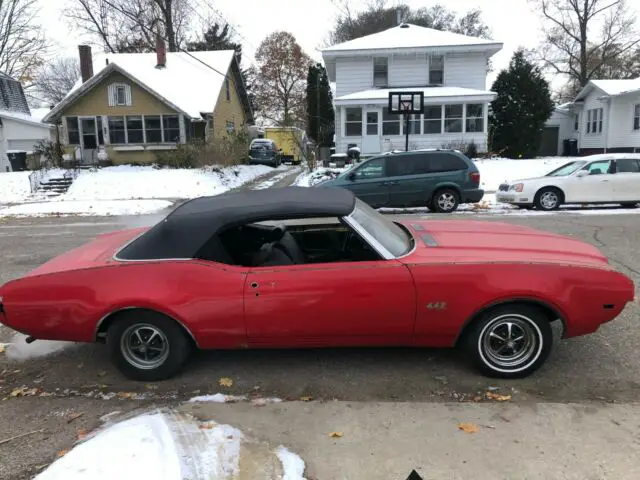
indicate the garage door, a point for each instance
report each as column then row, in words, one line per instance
column 549, row 143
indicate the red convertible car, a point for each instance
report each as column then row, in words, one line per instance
column 314, row 267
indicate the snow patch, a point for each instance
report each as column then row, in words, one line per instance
column 217, row 398
column 292, row 465
column 103, row 208
column 14, row 187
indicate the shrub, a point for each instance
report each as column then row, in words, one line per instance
column 471, row 150
column 50, row 150
column 226, row 151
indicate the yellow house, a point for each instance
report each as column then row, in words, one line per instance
column 129, row 106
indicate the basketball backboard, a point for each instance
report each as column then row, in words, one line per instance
column 401, row 103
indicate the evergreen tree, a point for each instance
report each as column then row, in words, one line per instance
column 320, row 113
column 519, row 112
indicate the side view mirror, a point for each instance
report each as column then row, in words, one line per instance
column 352, row 176
column 582, row 173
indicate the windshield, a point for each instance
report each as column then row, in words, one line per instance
column 565, row 170
column 391, row 236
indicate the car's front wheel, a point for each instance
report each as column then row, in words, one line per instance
column 445, row 201
column 147, row 346
column 548, row 199
column 511, row 341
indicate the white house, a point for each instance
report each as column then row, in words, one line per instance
column 450, row 69
column 19, row 131
column 604, row 117
column 562, row 125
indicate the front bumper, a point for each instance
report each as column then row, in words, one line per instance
column 514, row 198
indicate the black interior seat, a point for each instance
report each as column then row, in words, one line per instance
column 289, row 245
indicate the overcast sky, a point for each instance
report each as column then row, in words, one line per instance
column 512, row 22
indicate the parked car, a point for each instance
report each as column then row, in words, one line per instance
column 596, row 179
column 233, row 271
column 437, row 179
column 263, row 151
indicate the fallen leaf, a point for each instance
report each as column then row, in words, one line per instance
column 151, row 386
column 18, row 392
column 74, row 416
column 468, row 427
column 497, row 397
column 62, row 453
column 102, row 374
column 477, row 398
column 306, row 399
column 208, row 426
column 336, row 434
column 82, row 434
column 125, row 395
column 225, row 382
column 2, row 347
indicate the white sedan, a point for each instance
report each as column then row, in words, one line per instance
column 596, row 179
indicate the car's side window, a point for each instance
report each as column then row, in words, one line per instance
column 598, row 168
column 628, row 165
column 445, row 162
column 405, row 165
column 373, row 169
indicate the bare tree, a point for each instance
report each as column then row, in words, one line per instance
column 131, row 25
column 57, row 78
column 584, row 36
column 282, row 67
column 22, row 41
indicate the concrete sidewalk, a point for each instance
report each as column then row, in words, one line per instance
column 388, row 440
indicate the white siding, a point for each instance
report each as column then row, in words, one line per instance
column 622, row 134
column 593, row 140
column 565, row 120
column 408, row 70
column 466, row 70
column 20, row 134
column 353, row 75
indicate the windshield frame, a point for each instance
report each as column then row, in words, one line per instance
column 579, row 164
column 384, row 248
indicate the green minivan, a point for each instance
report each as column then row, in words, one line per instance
column 437, row 179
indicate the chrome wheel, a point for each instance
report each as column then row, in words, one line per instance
column 510, row 343
column 549, row 200
column 446, row 201
column 144, row 346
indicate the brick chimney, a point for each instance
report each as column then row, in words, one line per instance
column 86, row 62
column 161, row 52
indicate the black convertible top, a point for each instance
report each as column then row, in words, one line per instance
column 184, row 232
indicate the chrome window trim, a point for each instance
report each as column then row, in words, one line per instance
column 370, row 239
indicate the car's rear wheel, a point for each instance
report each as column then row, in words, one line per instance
column 147, row 346
column 445, row 200
column 548, row 199
column 511, row 341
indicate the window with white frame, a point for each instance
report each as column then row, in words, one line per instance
column 636, row 117
column 119, row 95
column 475, row 117
column 453, row 116
column 436, row 70
column 353, row 122
column 432, row 119
column 73, row 131
column 231, row 127
column 414, row 124
column 576, row 122
column 594, row 120
column 380, row 71
column 139, row 129
column 390, row 123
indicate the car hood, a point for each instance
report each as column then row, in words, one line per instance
column 476, row 241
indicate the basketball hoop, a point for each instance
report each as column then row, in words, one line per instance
column 406, row 105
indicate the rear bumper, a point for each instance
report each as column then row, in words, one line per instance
column 473, row 195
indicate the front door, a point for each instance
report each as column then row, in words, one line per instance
column 371, row 138
column 596, row 187
column 330, row 304
column 369, row 182
column 88, row 138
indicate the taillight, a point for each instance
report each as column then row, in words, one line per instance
column 475, row 177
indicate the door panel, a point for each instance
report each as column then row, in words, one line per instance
column 596, row 187
column 371, row 138
column 360, row 303
column 626, row 181
column 370, row 183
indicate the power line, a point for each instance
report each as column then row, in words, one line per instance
column 131, row 17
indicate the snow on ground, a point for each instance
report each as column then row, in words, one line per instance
column 14, row 187
column 164, row 445
column 320, row 174
column 495, row 171
column 86, row 207
column 129, row 182
column 222, row 398
column 286, row 171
